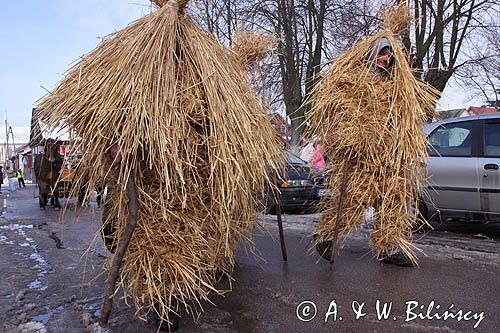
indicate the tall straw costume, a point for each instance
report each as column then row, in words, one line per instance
column 192, row 134
column 371, row 122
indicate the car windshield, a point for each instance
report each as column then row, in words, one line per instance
column 292, row 159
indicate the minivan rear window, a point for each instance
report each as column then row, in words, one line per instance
column 452, row 140
column 492, row 139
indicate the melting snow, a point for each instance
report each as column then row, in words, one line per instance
column 42, row 266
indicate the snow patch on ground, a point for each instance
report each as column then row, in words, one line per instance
column 32, row 327
column 5, row 240
column 42, row 266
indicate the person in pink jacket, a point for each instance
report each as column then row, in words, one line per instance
column 318, row 160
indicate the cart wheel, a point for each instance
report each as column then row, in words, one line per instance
column 81, row 197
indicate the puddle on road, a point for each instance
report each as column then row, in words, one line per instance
column 94, row 307
column 72, row 267
column 37, row 285
column 44, row 318
column 42, row 266
column 5, row 240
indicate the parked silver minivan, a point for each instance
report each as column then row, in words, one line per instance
column 463, row 169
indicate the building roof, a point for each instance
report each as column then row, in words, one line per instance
column 453, row 113
column 479, row 110
column 40, row 132
column 23, row 150
column 276, row 118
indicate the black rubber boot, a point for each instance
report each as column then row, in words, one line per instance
column 325, row 250
column 173, row 323
column 171, row 326
column 398, row 258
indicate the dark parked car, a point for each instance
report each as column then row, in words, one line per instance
column 301, row 187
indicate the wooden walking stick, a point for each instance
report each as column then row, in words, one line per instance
column 343, row 187
column 277, row 202
column 114, row 271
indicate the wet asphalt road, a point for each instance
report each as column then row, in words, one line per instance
column 47, row 272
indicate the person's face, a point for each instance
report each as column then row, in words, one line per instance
column 384, row 59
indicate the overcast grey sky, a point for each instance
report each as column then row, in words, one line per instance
column 40, row 39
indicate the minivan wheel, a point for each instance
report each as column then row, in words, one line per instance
column 422, row 212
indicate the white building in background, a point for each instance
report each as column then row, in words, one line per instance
column 20, row 138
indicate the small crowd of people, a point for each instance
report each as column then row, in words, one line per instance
column 312, row 153
column 19, row 174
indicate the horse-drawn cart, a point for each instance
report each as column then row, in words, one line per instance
column 67, row 179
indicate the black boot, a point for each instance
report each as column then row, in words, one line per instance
column 173, row 324
column 399, row 258
column 325, row 250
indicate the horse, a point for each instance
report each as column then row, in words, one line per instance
column 47, row 167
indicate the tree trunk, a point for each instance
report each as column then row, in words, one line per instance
column 290, row 75
column 297, row 121
column 314, row 58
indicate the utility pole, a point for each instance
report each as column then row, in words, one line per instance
column 16, row 165
column 6, row 142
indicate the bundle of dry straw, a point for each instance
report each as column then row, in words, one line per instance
column 374, row 119
column 250, row 47
column 193, row 135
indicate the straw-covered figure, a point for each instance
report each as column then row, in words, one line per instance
column 167, row 116
column 368, row 111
